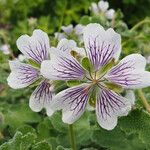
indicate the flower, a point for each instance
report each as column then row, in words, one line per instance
column 102, row 7
column 5, row 49
column 110, row 14
column 34, row 48
column 69, row 30
column 103, row 49
column 94, row 8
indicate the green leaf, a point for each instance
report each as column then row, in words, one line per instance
column 62, row 148
column 58, row 124
column 18, row 115
column 86, row 64
column 44, row 129
column 25, row 129
column 43, row 145
column 33, row 63
column 19, row 142
column 85, row 20
column 72, row 83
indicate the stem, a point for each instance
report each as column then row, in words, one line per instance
column 72, row 137
column 135, row 27
column 144, row 100
column 139, row 24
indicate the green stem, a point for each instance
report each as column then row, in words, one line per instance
column 135, row 27
column 144, row 100
column 72, row 137
column 139, row 24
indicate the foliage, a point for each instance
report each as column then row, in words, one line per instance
column 22, row 129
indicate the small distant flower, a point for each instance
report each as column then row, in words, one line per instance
column 110, row 14
column 102, row 47
column 94, row 8
column 102, row 7
column 32, row 21
column 148, row 59
column 22, row 75
column 69, row 30
column 59, row 36
column 5, row 49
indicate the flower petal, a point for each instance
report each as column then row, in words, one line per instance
column 110, row 14
column 66, row 46
column 79, row 29
column 73, row 102
column 67, row 29
column 109, row 106
column 130, row 95
column 41, row 98
column 59, row 36
column 22, row 75
column 129, row 73
column 94, row 8
column 103, row 5
column 62, row 67
column 101, row 45
column 35, row 47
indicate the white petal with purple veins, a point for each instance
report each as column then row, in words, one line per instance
column 22, row 75
column 129, row 73
column 35, row 47
column 72, row 101
column 109, row 106
column 66, row 46
column 41, row 98
column 62, row 67
column 101, row 45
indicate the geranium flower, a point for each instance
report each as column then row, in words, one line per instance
column 103, row 48
column 69, row 30
column 102, row 7
column 35, row 48
column 5, row 48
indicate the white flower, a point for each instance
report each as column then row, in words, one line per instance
column 148, row 59
column 59, row 36
column 102, row 47
column 68, row 30
column 103, row 5
column 94, row 8
column 5, row 49
column 110, row 14
column 22, row 75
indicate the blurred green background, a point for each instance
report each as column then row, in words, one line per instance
column 22, row 129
